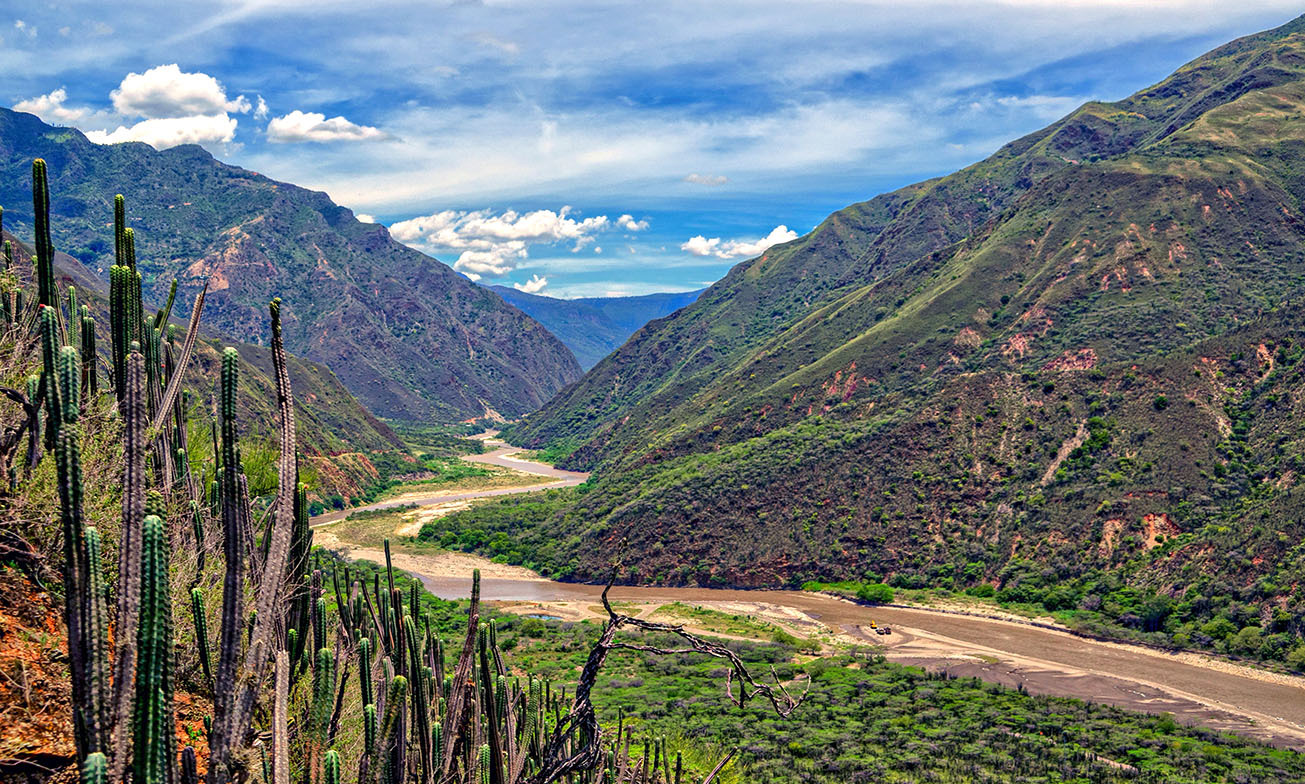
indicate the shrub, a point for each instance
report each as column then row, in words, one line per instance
column 875, row 593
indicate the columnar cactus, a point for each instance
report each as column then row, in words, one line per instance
column 201, row 631
column 392, row 742
column 46, row 294
column 233, row 549
column 90, row 378
column 97, row 637
column 153, row 728
column 331, row 768
column 95, row 770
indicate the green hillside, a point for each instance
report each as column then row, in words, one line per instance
column 1072, row 364
column 412, row 339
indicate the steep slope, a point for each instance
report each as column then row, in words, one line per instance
column 336, row 434
column 593, row 327
column 406, row 334
column 898, row 240
column 1094, row 388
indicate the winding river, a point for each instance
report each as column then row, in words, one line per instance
column 1197, row 689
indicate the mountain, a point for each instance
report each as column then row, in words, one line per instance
column 1072, row 366
column 594, row 327
column 411, row 338
column 336, row 434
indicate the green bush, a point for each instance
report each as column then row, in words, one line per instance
column 875, row 593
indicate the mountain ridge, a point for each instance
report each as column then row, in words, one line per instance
column 1070, row 372
column 406, row 334
column 593, row 327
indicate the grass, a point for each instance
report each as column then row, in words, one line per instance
column 453, row 475
column 720, row 622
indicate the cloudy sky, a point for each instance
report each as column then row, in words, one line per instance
column 595, row 148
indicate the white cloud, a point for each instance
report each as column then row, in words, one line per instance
column 535, row 285
column 50, row 107
column 167, row 91
column 260, row 113
column 164, row 132
column 495, row 244
column 737, row 249
column 711, row 180
column 25, row 28
column 701, row 246
column 365, row 218
column 300, row 126
column 489, row 41
column 628, row 223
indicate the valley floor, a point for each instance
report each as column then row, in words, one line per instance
column 1196, row 689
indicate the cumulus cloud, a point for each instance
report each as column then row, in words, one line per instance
column 260, row 113
column 712, row 180
column 164, row 132
column 163, row 107
column 167, row 91
column 365, row 218
column 50, row 107
column 737, row 249
column 535, row 285
column 492, row 244
column 300, row 126
column 628, row 223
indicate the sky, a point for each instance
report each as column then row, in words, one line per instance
column 595, row 148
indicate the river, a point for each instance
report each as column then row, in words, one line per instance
column 1197, row 689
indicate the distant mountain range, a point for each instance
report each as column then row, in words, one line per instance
column 594, row 327
column 1078, row 360
column 411, row 338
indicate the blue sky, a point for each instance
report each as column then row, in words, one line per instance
column 596, row 148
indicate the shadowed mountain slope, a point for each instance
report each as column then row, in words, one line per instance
column 411, row 338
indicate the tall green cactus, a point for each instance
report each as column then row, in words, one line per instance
column 323, row 692
column 97, row 639
column 365, row 670
column 233, row 588
column 95, row 770
column 201, row 631
column 331, row 768
column 119, row 230
column 152, row 709
column 197, row 529
column 120, row 288
column 37, row 424
column 63, row 376
column 392, row 743
column 49, row 327
column 90, row 378
column 46, row 294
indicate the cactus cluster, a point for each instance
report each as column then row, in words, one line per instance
column 426, row 716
